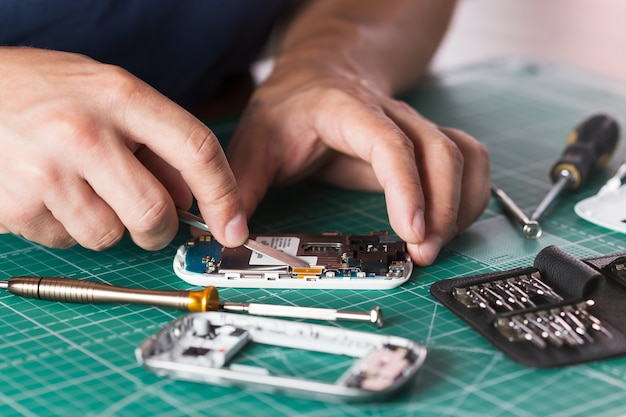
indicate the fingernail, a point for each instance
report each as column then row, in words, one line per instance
column 237, row 230
column 429, row 248
column 419, row 225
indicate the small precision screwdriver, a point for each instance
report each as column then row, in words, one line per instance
column 87, row 292
column 589, row 146
column 530, row 228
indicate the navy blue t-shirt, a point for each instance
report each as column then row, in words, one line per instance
column 178, row 46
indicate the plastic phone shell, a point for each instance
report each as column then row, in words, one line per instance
column 200, row 347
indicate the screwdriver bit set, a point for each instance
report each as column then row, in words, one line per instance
column 560, row 311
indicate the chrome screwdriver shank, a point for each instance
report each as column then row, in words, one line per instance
column 374, row 316
column 530, row 228
column 564, row 180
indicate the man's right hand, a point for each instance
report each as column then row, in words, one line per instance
column 88, row 151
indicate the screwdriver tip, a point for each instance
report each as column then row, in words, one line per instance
column 532, row 230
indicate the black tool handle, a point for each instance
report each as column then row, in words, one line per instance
column 589, row 146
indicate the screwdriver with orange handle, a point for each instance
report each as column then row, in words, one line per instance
column 589, row 146
column 87, row 292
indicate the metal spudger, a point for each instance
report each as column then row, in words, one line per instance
column 253, row 245
column 88, row 292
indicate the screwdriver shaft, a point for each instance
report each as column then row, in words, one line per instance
column 530, row 228
column 373, row 316
column 565, row 178
column 588, row 147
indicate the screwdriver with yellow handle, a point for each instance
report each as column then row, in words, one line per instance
column 589, row 146
column 87, row 292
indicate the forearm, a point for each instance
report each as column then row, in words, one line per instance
column 388, row 43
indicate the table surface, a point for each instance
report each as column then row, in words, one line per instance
column 64, row 359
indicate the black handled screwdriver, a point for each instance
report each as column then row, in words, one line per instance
column 589, row 146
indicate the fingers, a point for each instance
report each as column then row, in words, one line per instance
column 454, row 172
column 168, row 176
column 373, row 137
column 445, row 177
column 395, row 169
column 85, row 218
column 476, row 179
column 440, row 166
column 474, row 197
column 23, row 215
column 91, row 118
column 36, row 224
column 190, row 147
column 101, row 187
column 426, row 173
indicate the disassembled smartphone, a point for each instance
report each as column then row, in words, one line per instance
column 374, row 261
column 204, row 347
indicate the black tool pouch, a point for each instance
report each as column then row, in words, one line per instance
column 560, row 311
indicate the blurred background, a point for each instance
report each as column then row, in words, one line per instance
column 590, row 34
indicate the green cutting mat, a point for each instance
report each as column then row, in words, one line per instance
column 62, row 359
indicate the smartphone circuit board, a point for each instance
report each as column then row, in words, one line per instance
column 373, row 261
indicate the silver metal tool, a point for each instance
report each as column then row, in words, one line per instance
column 253, row 245
column 374, row 316
column 88, row 292
column 589, row 146
column 565, row 325
column 508, row 294
column 530, row 228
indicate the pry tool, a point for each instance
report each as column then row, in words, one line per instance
column 253, row 245
column 88, row 292
column 589, row 146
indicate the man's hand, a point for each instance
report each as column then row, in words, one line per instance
column 347, row 133
column 87, row 150
column 327, row 111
